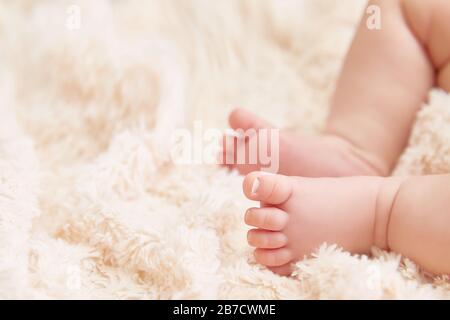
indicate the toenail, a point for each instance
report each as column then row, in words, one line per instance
column 255, row 186
column 246, row 216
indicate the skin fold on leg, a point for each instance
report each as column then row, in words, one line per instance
column 419, row 222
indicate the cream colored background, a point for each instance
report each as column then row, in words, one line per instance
column 89, row 207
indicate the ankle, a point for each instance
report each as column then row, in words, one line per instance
column 377, row 164
column 373, row 164
column 388, row 190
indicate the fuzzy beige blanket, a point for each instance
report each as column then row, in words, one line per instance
column 89, row 205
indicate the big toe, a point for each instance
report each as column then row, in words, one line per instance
column 268, row 188
column 242, row 119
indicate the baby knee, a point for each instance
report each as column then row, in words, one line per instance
column 430, row 22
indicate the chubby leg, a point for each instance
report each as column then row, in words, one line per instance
column 385, row 79
column 408, row 215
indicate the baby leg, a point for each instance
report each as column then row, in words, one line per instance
column 385, row 79
column 387, row 75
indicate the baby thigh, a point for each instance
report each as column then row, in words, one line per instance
column 430, row 21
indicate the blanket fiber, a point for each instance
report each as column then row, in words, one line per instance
column 89, row 205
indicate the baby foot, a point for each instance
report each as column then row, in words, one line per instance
column 297, row 215
column 318, row 156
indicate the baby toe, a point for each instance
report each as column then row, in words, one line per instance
column 242, row 119
column 268, row 188
column 268, row 218
column 273, row 257
column 266, row 239
column 285, row 270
